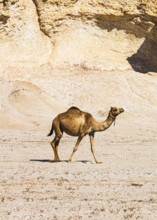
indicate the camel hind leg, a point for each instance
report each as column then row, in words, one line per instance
column 54, row 145
column 56, row 140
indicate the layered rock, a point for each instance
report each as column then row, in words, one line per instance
column 96, row 34
column 21, row 40
column 101, row 34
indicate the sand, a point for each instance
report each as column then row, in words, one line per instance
column 124, row 186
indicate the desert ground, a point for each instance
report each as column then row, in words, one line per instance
column 93, row 55
column 123, row 186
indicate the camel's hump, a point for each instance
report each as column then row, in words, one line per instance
column 74, row 108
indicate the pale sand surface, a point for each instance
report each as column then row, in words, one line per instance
column 124, row 186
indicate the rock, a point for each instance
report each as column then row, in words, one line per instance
column 22, row 41
column 105, row 35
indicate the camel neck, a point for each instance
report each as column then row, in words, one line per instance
column 108, row 122
column 111, row 118
column 101, row 126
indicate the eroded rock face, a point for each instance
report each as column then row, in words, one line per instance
column 21, row 40
column 96, row 34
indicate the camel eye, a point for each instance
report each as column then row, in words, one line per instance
column 114, row 109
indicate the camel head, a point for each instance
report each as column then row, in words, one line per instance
column 114, row 111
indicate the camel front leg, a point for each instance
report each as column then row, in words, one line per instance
column 75, row 148
column 92, row 147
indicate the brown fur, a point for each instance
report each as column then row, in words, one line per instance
column 75, row 122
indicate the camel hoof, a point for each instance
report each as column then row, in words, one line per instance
column 70, row 161
column 98, row 162
column 56, row 161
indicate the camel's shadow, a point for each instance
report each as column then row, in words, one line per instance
column 52, row 161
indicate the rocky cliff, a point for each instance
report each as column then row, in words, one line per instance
column 94, row 34
column 21, row 40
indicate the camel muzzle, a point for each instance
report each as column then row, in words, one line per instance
column 121, row 110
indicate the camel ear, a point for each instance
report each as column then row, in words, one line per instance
column 113, row 108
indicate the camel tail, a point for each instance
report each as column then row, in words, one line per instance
column 51, row 131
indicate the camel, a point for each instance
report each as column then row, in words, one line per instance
column 75, row 122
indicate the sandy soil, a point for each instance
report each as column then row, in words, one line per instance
column 124, row 186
